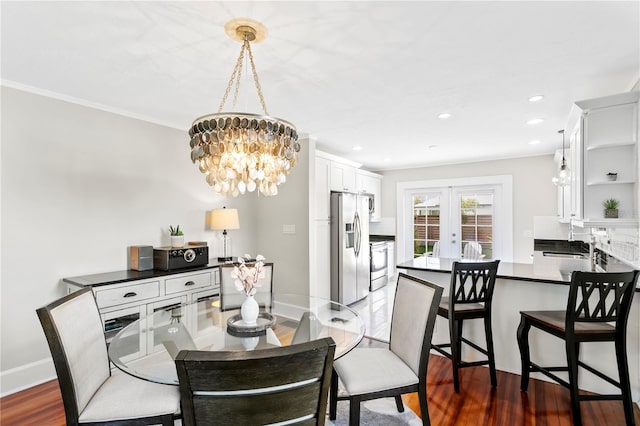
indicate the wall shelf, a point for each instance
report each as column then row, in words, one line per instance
column 605, row 223
column 610, row 145
column 615, row 182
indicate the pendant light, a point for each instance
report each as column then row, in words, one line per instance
column 242, row 152
column 564, row 174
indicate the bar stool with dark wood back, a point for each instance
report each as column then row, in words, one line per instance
column 595, row 301
column 470, row 297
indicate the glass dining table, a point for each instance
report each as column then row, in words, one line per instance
column 147, row 347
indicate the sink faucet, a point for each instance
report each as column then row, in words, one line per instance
column 592, row 245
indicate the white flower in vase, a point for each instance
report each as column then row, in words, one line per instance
column 247, row 278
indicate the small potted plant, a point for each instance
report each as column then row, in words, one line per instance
column 610, row 208
column 612, row 176
column 177, row 237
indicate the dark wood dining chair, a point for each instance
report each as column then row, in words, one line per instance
column 597, row 311
column 91, row 393
column 288, row 384
column 470, row 297
column 372, row 373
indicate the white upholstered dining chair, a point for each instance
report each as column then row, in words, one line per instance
column 91, row 392
column 472, row 251
column 372, row 373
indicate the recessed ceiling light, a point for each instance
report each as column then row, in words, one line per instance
column 432, row 146
column 444, row 116
column 534, row 142
column 357, row 148
column 536, row 98
column 535, row 121
column 387, row 159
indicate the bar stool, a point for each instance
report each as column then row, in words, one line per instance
column 470, row 296
column 595, row 300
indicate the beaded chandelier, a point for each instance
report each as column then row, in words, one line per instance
column 242, row 152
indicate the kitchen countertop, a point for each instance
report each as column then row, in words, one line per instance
column 549, row 274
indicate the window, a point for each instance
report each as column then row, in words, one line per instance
column 426, row 223
column 476, row 221
column 453, row 213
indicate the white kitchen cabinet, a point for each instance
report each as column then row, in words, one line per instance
column 125, row 299
column 343, row 177
column 391, row 259
column 322, row 188
column 371, row 183
column 323, row 259
column 605, row 140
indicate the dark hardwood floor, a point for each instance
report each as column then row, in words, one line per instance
column 478, row 404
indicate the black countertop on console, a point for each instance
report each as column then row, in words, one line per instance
column 115, row 277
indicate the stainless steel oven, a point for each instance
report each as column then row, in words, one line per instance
column 379, row 265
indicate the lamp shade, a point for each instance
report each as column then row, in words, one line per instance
column 222, row 219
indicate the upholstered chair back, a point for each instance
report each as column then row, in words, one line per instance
column 409, row 323
column 75, row 334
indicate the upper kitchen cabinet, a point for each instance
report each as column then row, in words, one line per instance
column 343, row 177
column 370, row 183
column 604, row 152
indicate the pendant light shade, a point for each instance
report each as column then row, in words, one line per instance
column 563, row 178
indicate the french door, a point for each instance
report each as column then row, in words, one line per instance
column 441, row 221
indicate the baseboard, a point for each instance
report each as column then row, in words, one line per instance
column 26, row 376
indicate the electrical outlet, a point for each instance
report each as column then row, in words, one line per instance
column 288, row 229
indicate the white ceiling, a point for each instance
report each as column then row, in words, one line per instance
column 374, row 74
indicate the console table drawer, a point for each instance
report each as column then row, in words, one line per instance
column 127, row 294
column 189, row 282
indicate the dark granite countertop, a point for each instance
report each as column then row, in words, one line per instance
column 115, row 277
column 549, row 273
column 378, row 238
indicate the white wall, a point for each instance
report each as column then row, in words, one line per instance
column 79, row 186
column 533, row 192
column 290, row 208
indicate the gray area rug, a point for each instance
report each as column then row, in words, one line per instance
column 376, row 412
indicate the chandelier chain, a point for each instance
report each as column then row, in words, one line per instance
column 255, row 78
column 236, row 71
column 235, row 77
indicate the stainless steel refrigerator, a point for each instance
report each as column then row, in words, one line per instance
column 350, row 265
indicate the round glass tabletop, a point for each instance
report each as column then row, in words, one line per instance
column 147, row 347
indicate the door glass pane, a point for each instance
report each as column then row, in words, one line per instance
column 426, row 223
column 476, row 223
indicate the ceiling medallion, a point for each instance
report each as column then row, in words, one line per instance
column 242, row 152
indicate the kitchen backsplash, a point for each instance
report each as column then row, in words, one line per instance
column 386, row 226
column 621, row 243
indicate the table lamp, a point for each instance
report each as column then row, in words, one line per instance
column 222, row 220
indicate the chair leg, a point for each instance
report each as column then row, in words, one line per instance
column 424, row 406
column 488, row 331
column 333, row 396
column 354, row 411
column 399, row 404
column 456, row 351
column 572, row 363
column 167, row 420
column 525, row 356
column 625, row 385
